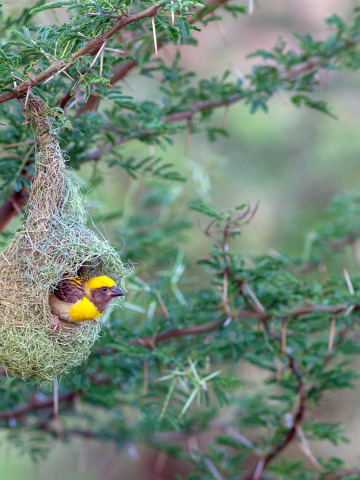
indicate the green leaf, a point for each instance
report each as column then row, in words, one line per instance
column 206, row 210
column 51, row 5
column 185, row 27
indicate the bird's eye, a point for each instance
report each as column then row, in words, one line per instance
column 104, row 289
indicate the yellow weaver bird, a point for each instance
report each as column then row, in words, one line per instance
column 78, row 300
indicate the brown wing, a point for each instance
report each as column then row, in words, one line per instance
column 69, row 290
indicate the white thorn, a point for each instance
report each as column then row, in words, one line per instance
column 154, row 34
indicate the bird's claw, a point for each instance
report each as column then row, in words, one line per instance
column 57, row 323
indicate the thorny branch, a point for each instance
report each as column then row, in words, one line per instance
column 97, row 153
column 263, row 316
column 124, row 68
column 91, row 48
column 290, row 434
column 35, row 404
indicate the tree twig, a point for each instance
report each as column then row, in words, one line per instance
column 290, row 434
column 124, row 68
column 35, row 404
column 91, row 48
column 214, row 324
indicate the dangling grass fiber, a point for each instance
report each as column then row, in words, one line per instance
column 52, row 242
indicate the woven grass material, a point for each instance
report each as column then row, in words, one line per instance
column 52, row 242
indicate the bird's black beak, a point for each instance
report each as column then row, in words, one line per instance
column 116, row 292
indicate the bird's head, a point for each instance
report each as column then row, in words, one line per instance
column 101, row 291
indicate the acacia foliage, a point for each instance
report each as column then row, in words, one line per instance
column 164, row 370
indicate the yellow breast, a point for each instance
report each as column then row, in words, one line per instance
column 83, row 310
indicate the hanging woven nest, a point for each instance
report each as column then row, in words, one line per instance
column 52, row 242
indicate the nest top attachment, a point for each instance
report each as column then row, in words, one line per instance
column 53, row 241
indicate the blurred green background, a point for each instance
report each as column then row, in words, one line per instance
column 291, row 161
